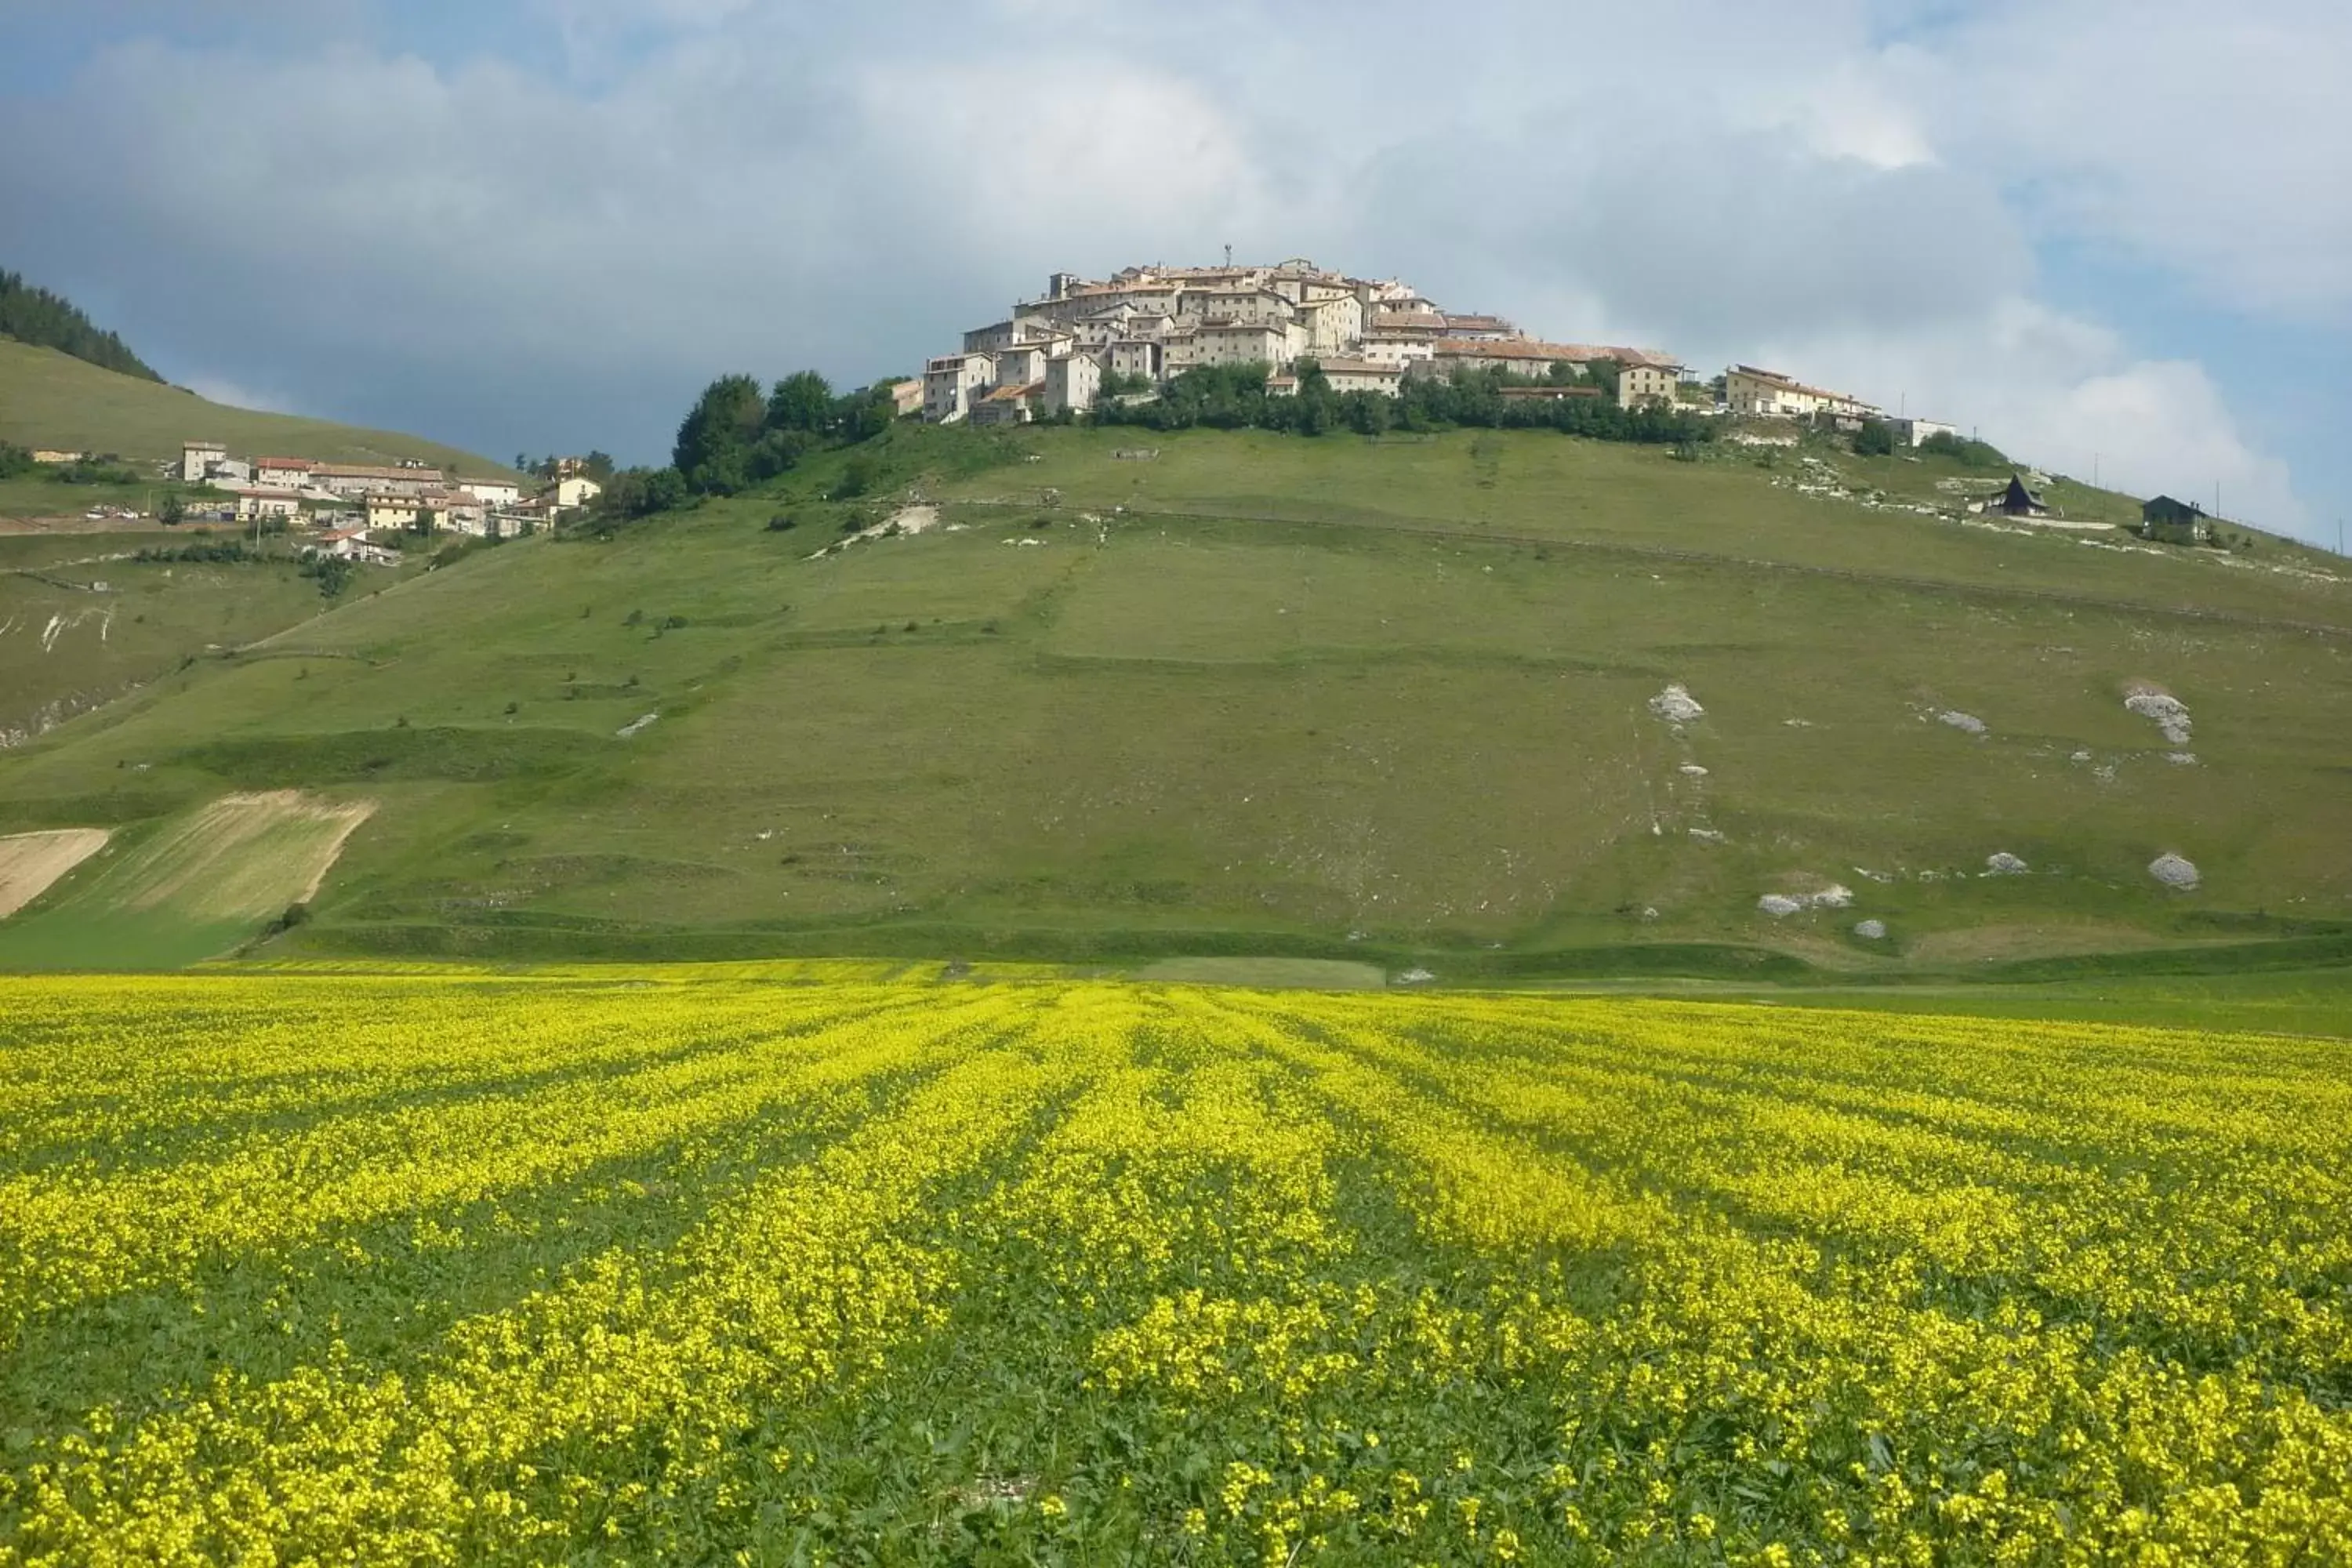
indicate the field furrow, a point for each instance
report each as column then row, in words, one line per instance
column 614, row 1265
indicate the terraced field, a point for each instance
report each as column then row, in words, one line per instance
column 607, row 1265
column 191, row 886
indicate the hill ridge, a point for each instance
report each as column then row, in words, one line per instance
column 46, row 319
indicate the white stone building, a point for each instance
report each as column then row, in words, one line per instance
column 367, row 478
column 1769, row 394
column 197, row 460
column 951, row 381
column 491, row 492
column 571, row 493
column 257, row 503
column 1071, row 383
column 1643, row 385
column 1911, row 432
column 1344, row 375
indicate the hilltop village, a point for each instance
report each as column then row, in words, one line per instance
column 1082, row 341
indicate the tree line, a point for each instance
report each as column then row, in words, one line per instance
column 738, row 435
column 35, row 316
column 1234, row 397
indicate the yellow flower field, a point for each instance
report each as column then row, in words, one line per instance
column 813, row 1265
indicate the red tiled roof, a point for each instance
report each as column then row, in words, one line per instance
column 1574, row 354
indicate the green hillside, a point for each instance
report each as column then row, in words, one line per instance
column 1389, row 701
column 52, row 399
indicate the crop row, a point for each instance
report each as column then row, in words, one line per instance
column 472, row 1268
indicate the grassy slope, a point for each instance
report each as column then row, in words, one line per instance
column 160, row 614
column 81, row 623
column 50, row 399
column 1319, row 698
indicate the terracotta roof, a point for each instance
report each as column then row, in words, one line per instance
column 1790, row 384
column 368, row 471
column 302, row 463
column 1518, row 349
column 1533, row 349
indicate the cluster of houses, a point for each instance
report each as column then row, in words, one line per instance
column 1145, row 325
column 353, row 500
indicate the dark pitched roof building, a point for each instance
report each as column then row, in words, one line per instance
column 2017, row 501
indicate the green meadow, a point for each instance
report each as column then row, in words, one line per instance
column 1384, row 703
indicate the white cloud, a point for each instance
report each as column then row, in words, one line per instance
column 503, row 253
column 2066, row 394
column 2203, row 138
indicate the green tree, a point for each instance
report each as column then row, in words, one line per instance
column 865, row 414
column 802, row 401
column 174, row 512
column 1975, row 454
column 716, row 437
column 1369, row 412
column 35, row 316
column 1874, row 440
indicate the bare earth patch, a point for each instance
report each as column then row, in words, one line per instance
column 246, row 856
column 1992, row 943
column 30, row 862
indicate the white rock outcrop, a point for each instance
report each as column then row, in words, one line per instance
column 2169, row 713
column 1675, row 705
column 2174, row 870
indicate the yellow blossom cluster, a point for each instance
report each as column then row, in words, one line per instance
column 801, row 1263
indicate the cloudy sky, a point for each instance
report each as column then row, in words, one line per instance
column 2105, row 233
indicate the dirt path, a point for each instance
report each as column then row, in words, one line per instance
column 30, row 862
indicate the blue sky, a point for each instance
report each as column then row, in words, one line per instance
column 2083, row 227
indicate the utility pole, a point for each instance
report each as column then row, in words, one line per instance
column 2095, row 471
